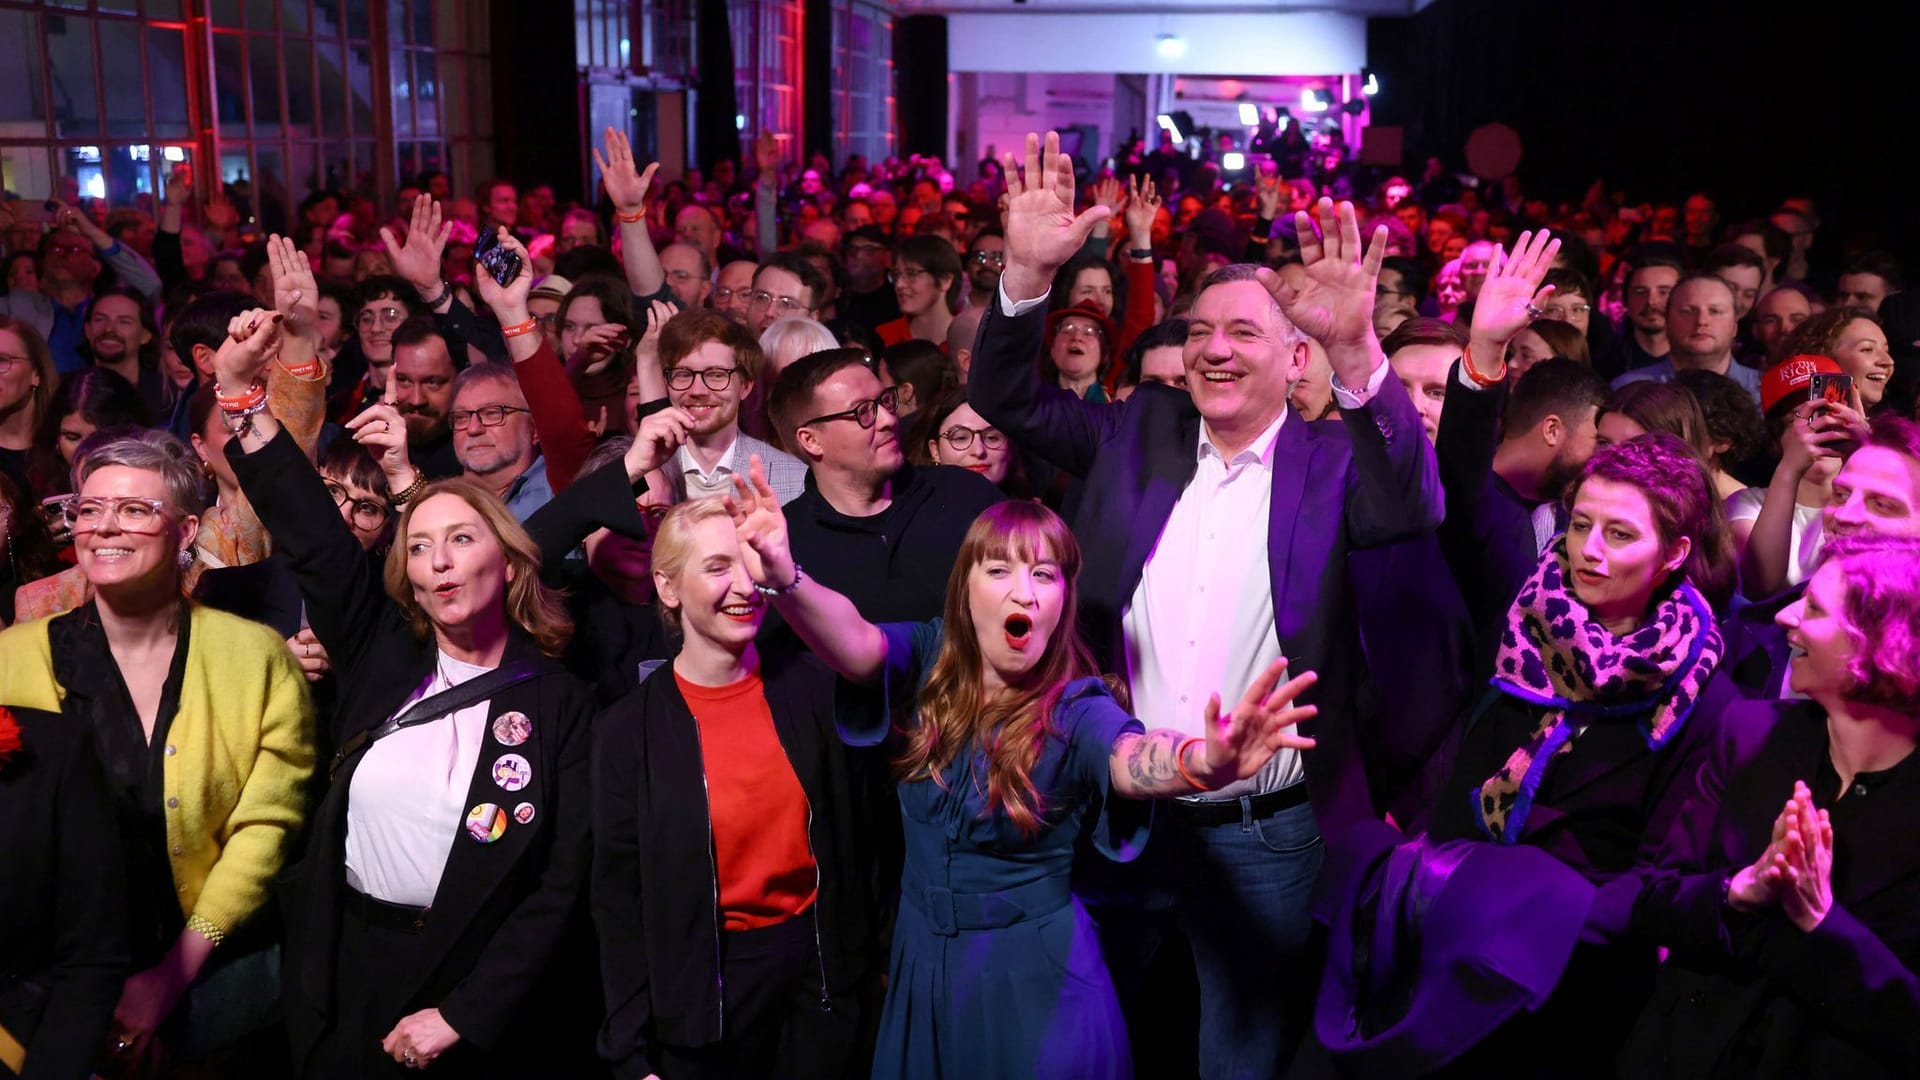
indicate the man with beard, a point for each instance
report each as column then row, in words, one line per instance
column 1649, row 284
column 786, row 286
column 493, row 437
column 122, row 337
column 1496, row 525
column 710, row 363
column 986, row 258
column 421, row 389
column 72, row 256
column 689, row 274
column 1700, row 331
column 733, row 291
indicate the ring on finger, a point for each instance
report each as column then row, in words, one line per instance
column 1534, row 311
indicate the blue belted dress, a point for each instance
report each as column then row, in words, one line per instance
column 996, row 970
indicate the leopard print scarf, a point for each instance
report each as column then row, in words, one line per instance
column 1553, row 654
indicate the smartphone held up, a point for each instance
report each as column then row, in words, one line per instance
column 497, row 259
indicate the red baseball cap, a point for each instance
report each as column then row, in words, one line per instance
column 1791, row 376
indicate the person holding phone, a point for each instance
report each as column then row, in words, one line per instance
column 1776, row 529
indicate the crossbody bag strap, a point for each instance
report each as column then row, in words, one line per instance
column 452, row 699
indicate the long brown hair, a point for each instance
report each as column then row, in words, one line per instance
column 1011, row 727
column 531, row 606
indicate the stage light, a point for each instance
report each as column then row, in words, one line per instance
column 1249, row 114
column 1370, row 82
column 739, row 121
column 1167, row 125
column 1170, row 46
column 1232, row 161
column 1312, row 100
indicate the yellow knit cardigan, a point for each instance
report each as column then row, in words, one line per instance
column 238, row 756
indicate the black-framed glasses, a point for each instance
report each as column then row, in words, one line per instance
column 680, row 378
column 864, row 413
column 369, row 514
column 89, row 513
column 785, row 305
column 959, row 436
column 490, row 415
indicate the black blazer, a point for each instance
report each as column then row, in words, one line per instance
column 1365, row 482
column 1487, row 536
column 654, row 883
column 1752, row 994
column 611, row 638
column 63, row 916
column 1757, row 650
column 498, row 924
column 265, row 592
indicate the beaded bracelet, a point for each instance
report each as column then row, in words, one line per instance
column 206, row 928
column 1180, row 762
column 518, row 329
column 411, row 491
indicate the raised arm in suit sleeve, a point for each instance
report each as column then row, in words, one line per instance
column 460, row 326
column 1005, row 389
column 1396, row 494
column 1469, row 432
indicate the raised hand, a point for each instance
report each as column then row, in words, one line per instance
column 179, row 190
column 1240, row 742
column 381, row 429
column 1042, row 230
column 655, row 440
column 253, row 339
column 762, row 528
column 509, row 301
column 1108, row 193
column 1271, row 196
column 295, row 293
column 1807, row 894
column 1332, row 302
column 1143, row 205
column 220, row 214
column 626, row 186
column 418, row 259
column 1512, row 293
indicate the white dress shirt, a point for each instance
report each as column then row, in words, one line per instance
column 408, row 803
column 697, row 482
column 1201, row 619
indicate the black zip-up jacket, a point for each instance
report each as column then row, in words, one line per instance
column 655, row 883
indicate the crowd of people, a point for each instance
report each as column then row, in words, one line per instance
column 810, row 622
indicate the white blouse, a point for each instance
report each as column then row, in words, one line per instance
column 408, row 801
column 1803, row 549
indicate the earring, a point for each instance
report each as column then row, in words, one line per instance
column 186, row 559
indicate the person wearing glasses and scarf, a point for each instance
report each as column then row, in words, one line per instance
column 205, row 732
column 868, row 525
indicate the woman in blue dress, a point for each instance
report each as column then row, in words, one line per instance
column 1012, row 746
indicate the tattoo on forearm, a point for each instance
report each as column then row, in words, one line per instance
column 1151, row 769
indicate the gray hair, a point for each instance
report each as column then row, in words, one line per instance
column 1290, row 335
column 790, row 339
column 153, row 450
column 491, row 371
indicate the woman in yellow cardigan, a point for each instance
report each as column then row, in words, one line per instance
column 204, row 728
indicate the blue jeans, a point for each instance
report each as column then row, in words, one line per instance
column 1244, row 905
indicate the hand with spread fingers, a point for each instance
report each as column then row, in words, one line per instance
column 1332, row 301
column 1043, row 232
column 627, row 186
column 762, row 528
column 1241, row 741
column 1143, row 204
column 418, row 259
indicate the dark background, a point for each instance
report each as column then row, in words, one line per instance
column 1750, row 102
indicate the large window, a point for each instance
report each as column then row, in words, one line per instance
column 862, row 80
column 102, row 98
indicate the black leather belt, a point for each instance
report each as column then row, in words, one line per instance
column 1233, row 811
column 375, row 912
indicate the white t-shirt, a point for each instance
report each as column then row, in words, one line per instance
column 408, row 802
column 1803, row 549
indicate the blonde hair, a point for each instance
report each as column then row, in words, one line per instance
column 530, row 604
column 673, row 546
column 1011, row 728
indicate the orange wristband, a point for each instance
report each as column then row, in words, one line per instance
column 1180, row 762
column 255, row 395
column 1466, row 364
column 518, row 329
column 629, row 219
column 303, row 371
